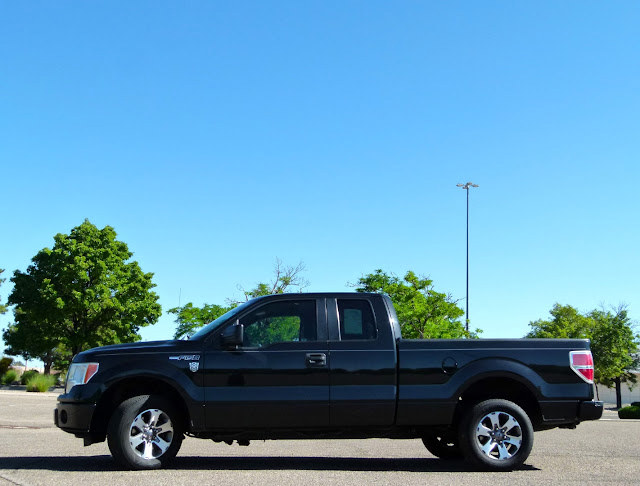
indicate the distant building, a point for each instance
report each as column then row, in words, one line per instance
column 608, row 395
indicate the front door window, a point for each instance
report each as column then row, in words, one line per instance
column 280, row 322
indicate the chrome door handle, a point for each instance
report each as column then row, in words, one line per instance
column 316, row 360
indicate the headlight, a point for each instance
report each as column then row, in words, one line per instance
column 79, row 374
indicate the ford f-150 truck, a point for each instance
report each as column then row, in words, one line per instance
column 326, row 366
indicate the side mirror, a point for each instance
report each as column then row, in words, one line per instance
column 233, row 336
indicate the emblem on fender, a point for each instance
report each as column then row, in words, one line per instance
column 186, row 357
column 193, row 366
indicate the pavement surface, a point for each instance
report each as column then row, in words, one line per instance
column 34, row 452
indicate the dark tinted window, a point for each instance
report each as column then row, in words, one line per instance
column 280, row 322
column 356, row 320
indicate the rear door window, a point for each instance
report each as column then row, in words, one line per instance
column 357, row 321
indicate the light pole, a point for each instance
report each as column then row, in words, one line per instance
column 466, row 187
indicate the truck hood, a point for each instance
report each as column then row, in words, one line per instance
column 169, row 346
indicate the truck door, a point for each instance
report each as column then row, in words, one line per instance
column 363, row 362
column 279, row 377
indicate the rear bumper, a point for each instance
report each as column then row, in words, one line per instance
column 590, row 410
column 569, row 412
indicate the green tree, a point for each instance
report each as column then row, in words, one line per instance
column 5, row 362
column 614, row 347
column 285, row 279
column 82, row 293
column 3, row 308
column 28, row 341
column 565, row 323
column 190, row 318
column 423, row 313
column 613, row 342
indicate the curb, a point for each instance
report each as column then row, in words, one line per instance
column 22, row 389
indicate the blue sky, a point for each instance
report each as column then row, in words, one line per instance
column 217, row 136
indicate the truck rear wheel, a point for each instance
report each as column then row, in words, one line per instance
column 496, row 435
column 144, row 432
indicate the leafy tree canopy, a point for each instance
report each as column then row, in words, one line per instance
column 285, row 279
column 3, row 308
column 82, row 293
column 5, row 362
column 423, row 313
column 613, row 342
column 190, row 318
column 614, row 346
column 565, row 323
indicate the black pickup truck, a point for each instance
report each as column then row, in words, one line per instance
column 326, row 366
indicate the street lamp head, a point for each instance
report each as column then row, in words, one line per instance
column 467, row 185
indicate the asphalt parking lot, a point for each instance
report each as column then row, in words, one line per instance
column 34, row 452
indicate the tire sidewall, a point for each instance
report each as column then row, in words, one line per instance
column 471, row 448
column 120, row 426
column 438, row 445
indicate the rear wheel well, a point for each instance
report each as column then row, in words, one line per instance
column 131, row 387
column 501, row 388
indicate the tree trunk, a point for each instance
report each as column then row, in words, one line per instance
column 618, row 393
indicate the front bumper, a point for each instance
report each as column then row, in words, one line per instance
column 74, row 418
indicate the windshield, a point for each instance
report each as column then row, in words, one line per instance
column 220, row 320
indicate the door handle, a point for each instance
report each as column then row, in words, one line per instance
column 316, row 360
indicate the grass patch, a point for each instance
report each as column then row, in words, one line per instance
column 9, row 377
column 40, row 383
column 631, row 412
column 27, row 375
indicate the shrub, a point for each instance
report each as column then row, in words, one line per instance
column 27, row 375
column 40, row 383
column 4, row 365
column 635, row 404
column 9, row 377
column 59, row 379
column 631, row 412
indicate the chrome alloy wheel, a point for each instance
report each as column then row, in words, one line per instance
column 499, row 435
column 151, row 434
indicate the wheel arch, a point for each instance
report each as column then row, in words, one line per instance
column 128, row 387
column 503, row 386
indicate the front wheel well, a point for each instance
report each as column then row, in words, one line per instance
column 128, row 388
column 500, row 388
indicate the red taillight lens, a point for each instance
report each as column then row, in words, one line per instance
column 582, row 359
column 587, row 373
column 582, row 363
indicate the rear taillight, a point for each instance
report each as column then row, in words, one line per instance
column 582, row 363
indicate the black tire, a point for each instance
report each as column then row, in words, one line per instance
column 144, row 432
column 444, row 446
column 496, row 435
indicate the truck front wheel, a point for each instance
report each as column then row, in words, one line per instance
column 496, row 435
column 144, row 432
